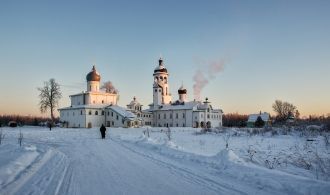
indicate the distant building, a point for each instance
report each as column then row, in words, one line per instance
column 253, row 118
column 94, row 107
column 179, row 113
column 145, row 116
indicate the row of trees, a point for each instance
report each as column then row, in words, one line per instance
column 283, row 111
column 234, row 120
column 23, row 120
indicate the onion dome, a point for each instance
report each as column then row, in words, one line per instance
column 134, row 101
column 93, row 75
column 160, row 67
column 182, row 90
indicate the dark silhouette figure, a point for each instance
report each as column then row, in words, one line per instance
column 50, row 126
column 102, row 130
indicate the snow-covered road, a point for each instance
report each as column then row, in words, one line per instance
column 77, row 161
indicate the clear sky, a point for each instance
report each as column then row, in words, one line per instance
column 271, row 50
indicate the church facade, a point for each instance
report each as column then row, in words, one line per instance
column 95, row 107
column 181, row 112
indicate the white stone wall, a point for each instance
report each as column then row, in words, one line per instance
column 77, row 100
column 93, row 119
column 101, row 98
column 215, row 118
column 185, row 118
column 113, row 119
column 73, row 117
column 147, row 118
column 173, row 118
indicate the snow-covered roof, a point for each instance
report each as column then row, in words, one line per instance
column 264, row 116
column 101, row 92
column 192, row 105
column 147, row 110
column 87, row 106
column 122, row 111
column 185, row 106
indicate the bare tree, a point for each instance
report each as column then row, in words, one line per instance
column 283, row 109
column 49, row 96
column 109, row 87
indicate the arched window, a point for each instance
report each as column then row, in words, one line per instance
column 102, row 101
column 102, row 112
column 90, row 112
column 96, row 113
column 81, row 112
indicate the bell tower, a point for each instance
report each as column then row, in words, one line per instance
column 161, row 89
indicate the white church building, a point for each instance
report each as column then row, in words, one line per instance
column 95, row 107
column 181, row 112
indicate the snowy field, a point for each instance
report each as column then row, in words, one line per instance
column 128, row 161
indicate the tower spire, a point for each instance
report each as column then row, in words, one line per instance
column 160, row 61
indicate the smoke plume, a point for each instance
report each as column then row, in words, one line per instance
column 109, row 87
column 205, row 74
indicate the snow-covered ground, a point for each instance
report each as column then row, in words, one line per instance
column 77, row 161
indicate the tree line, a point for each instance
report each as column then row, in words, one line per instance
column 23, row 120
column 283, row 110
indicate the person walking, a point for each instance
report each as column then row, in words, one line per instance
column 50, row 125
column 102, row 130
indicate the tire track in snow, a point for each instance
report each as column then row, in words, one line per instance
column 189, row 175
column 43, row 176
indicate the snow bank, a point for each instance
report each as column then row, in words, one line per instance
column 14, row 161
column 228, row 156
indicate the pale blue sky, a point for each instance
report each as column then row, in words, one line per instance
column 273, row 50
